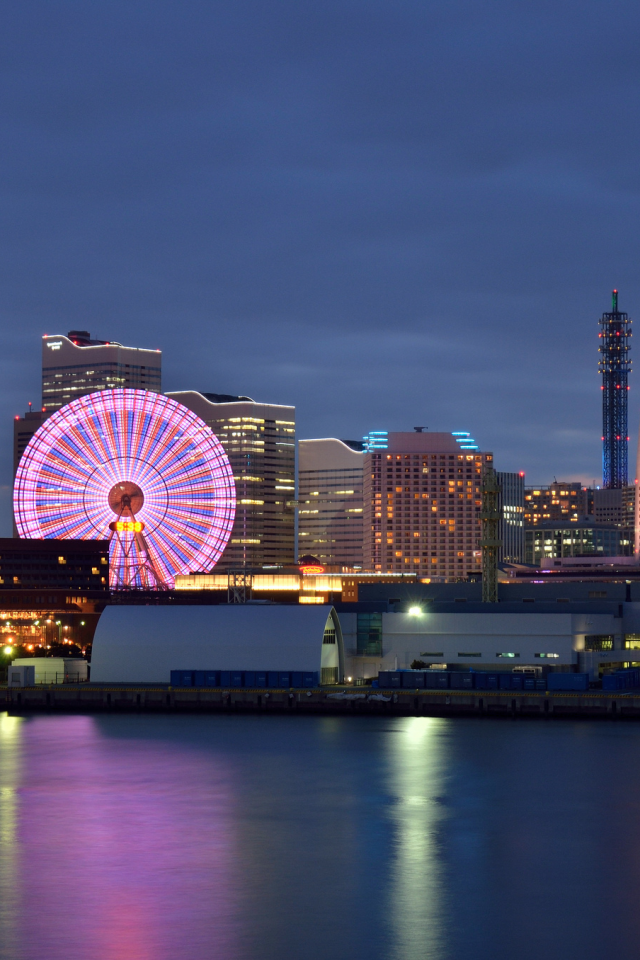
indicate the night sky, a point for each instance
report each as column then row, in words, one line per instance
column 388, row 214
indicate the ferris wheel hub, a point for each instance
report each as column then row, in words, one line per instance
column 126, row 497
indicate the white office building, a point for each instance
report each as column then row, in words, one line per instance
column 330, row 501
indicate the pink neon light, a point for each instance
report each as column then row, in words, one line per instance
column 82, row 450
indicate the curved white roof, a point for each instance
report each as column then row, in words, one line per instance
column 140, row 644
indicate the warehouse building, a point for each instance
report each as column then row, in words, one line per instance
column 140, row 644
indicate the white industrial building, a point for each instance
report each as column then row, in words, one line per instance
column 143, row 644
column 495, row 639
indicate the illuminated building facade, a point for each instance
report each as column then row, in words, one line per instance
column 555, row 502
column 330, row 504
column 51, row 593
column 511, row 526
column 422, row 505
column 566, row 539
column 259, row 440
column 76, row 365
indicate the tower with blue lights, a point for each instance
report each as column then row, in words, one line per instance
column 614, row 365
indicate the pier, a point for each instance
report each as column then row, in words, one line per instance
column 330, row 701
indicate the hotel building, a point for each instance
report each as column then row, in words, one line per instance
column 259, row 439
column 76, row 365
column 330, row 501
column 422, row 505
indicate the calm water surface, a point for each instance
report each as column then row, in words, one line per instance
column 243, row 838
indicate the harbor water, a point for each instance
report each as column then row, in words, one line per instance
column 217, row 837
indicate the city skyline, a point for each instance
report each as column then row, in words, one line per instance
column 290, row 215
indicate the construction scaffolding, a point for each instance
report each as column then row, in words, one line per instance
column 490, row 543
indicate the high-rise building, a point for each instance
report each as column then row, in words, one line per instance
column 555, row 502
column 511, row 528
column 259, row 439
column 76, row 365
column 422, row 505
column 23, row 429
column 330, row 501
column 614, row 365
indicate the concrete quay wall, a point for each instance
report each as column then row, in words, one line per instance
column 115, row 698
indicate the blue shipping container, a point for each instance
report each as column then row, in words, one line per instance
column 225, row 678
column 461, row 681
column 412, row 679
column 296, row 678
column 285, row 680
column 273, row 679
column 505, row 681
column 575, row 682
column 181, row 678
column 310, row 679
column 249, row 678
column 198, row 679
column 236, row 678
column 260, row 678
column 212, row 678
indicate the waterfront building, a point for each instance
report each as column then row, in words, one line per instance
column 51, row 591
column 422, row 505
column 259, row 440
column 555, row 502
column 138, row 644
column 330, row 504
column 567, row 539
column 557, row 625
column 511, row 527
column 76, row 365
column 307, row 583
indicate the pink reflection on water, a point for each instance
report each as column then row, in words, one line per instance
column 128, row 844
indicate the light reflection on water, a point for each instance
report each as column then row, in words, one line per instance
column 242, row 838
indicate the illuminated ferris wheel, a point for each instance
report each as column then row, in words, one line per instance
column 136, row 468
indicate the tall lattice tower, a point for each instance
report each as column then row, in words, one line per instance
column 614, row 365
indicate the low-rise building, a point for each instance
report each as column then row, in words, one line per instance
column 555, row 502
column 575, row 539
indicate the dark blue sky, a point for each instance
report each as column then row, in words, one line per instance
column 388, row 214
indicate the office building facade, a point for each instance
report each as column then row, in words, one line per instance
column 259, row 440
column 76, row 365
column 330, row 504
column 511, row 528
column 568, row 539
column 422, row 506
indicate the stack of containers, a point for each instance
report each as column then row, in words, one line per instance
column 628, row 679
column 570, row 682
column 243, row 678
